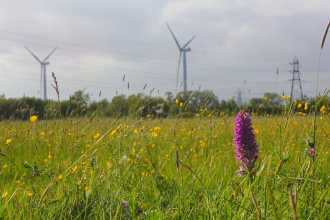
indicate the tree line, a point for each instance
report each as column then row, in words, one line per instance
column 183, row 104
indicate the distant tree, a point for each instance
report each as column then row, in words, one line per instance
column 80, row 98
column 158, row 107
column 197, row 99
column 269, row 100
column 256, row 102
column 229, row 106
column 97, row 107
column 117, row 107
column 169, row 97
column 72, row 109
column 203, row 99
column 272, row 99
column 141, row 105
column 137, row 105
column 183, row 96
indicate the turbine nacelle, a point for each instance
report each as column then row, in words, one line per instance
column 186, row 50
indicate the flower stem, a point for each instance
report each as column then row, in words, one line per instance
column 251, row 178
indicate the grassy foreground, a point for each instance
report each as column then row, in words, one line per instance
column 161, row 169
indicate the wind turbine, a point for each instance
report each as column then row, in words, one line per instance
column 43, row 67
column 182, row 50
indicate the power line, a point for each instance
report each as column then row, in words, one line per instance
column 202, row 66
column 93, row 35
column 129, row 41
column 102, row 82
column 174, row 65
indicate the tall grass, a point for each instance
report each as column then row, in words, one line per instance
column 77, row 168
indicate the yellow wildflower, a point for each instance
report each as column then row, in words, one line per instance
column 181, row 104
column 306, row 106
column 113, row 132
column 42, row 133
column 33, row 118
column 60, row 177
column 97, row 135
column 294, row 122
column 286, row 97
column 74, row 169
column 8, row 141
column 146, row 173
column 70, row 134
column 154, row 134
column 176, row 101
column 29, row 194
column 5, row 194
column 322, row 109
column 299, row 105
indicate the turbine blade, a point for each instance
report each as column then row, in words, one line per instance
column 33, row 55
column 177, row 75
column 49, row 55
column 176, row 41
column 188, row 42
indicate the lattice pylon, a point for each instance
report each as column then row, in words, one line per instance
column 296, row 90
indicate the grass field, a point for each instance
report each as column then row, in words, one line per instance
column 105, row 168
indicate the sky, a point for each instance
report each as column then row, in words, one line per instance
column 109, row 48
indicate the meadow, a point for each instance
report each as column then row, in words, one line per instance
column 163, row 168
column 169, row 168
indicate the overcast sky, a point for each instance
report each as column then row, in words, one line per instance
column 238, row 45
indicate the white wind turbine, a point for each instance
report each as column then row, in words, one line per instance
column 43, row 76
column 184, row 50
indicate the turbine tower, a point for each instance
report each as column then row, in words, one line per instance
column 182, row 50
column 43, row 76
